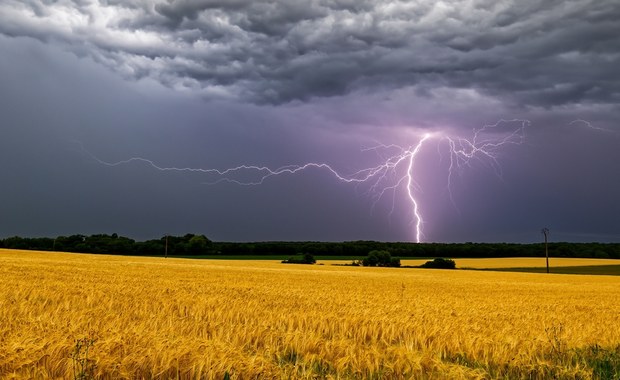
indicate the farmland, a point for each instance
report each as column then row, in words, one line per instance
column 164, row 318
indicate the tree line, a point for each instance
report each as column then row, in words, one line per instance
column 200, row 245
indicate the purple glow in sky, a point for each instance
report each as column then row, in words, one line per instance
column 422, row 120
column 387, row 176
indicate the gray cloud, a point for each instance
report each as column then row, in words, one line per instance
column 291, row 82
column 530, row 53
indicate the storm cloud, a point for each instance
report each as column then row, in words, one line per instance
column 217, row 84
column 528, row 53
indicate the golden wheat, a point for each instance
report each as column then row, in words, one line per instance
column 174, row 318
column 508, row 262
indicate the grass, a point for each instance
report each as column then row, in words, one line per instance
column 530, row 262
column 607, row 270
column 267, row 257
column 236, row 257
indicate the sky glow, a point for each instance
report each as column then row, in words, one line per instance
column 360, row 120
column 385, row 177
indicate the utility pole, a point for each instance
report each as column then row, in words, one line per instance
column 545, row 231
column 166, row 248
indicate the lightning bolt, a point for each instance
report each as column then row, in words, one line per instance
column 484, row 147
column 414, row 202
column 394, row 171
column 589, row 125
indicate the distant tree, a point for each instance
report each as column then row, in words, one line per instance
column 372, row 260
column 439, row 263
column 394, row 262
column 198, row 244
column 149, row 247
column 73, row 243
column 306, row 258
column 599, row 254
column 381, row 259
column 191, row 244
column 16, row 242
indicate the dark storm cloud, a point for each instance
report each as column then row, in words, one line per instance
column 525, row 52
column 291, row 82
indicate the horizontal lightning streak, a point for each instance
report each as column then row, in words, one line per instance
column 589, row 125
column 393, row 171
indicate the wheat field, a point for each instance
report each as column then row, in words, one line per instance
column 508, row 262
column 144, row 318
column 526, row 262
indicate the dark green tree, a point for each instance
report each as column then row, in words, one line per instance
column 380, row 258
column 198, row 244
column 439, row 263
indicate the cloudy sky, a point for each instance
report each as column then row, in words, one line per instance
column 90, row 90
